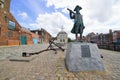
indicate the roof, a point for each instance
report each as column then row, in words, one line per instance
column 117, row 31
column 62, row 32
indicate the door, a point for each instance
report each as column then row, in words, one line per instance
column 23, row 40
column 35, row 40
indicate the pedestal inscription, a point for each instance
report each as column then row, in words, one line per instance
column 85, row 50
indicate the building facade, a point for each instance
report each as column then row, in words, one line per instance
column 11, row 33
column 44, row 36
column 100, row 38
column 89, row 36
column 62, row 37
column 109, row 40
column 116, row 36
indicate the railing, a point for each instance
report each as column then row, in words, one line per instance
column 114, row 47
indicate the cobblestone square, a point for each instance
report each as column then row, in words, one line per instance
column 51, row 66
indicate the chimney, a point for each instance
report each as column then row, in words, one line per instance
column 110, row 36
column 110, row 31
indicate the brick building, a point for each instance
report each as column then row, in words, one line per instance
column 44, row 36
column 11, row 33
column 107, row 38
column 116, row 36
column 35, row 38
column 89, row 36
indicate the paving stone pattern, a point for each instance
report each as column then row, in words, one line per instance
column 51, row 66
column 16, row 51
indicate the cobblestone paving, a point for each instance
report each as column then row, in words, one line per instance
column 12, row 51
column 51, row 66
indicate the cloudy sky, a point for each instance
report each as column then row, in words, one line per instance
column 99, row 15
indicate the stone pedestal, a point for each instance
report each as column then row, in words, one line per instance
column 83, row 57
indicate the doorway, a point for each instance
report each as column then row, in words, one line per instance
column 23, row 40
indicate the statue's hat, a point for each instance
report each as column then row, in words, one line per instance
column 77, row 7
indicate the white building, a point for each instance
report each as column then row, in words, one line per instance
column 62, row 37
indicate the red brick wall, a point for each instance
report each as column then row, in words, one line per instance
column 7, row 36
column 29, row 39
column 13, row 42
column 3, row 42
column 118, row 34
column 29, row 42
column 29, row 36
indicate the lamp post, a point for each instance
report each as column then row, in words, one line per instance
column 19, row 37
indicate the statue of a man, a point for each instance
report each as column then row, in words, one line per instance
column 78, row 22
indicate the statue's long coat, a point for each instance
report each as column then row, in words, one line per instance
column 78, row 23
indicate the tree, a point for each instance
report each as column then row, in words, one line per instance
column 70, row 40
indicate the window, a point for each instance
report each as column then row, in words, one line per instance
column 63, row 40
column 10, row 34
column 11, row 25
column 6, row 19
column 2, row 3
column 118, row 40
column 60, row 40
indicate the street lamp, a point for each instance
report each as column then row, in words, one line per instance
column 19, row 37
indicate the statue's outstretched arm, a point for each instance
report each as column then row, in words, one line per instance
column 72, row 15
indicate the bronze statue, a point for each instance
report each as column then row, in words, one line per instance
column 78, row 22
